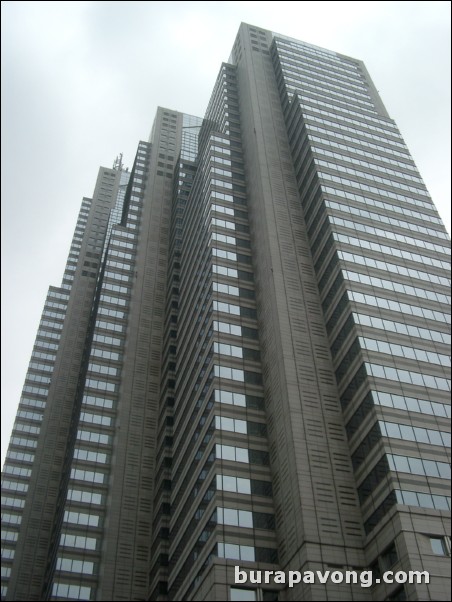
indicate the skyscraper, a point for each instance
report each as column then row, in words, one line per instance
column 247, row 360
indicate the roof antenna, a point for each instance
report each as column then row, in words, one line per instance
column 118, row 164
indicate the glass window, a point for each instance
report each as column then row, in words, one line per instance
column 415, row 466
column 245, row 519
column 80, row 518
column 392, row 429
column 243, row 485
column 226, row 483
column 401, row 464
column 391, row 462
column 431, row 468
column 391, row 373
column 439, row 546
column 230, row 516
column 223, row 396
column 240, row 426
column 232, row 551
column 417, row 378
column 443, row 469
column 238, row 375
column 425, row 500
column 377, row 371
column 238, row 593
column 383, row 346
column 410, row 498
column 226, row 424
column 247, row 553
column 446, row 439
column 242, row 454
column 78, row 541
column 226, row 452
column 239, row 399
column 438, row 408
column 430, row 434
column 77, row 592
column 440, row 502
column 414, row 405
column 407, row 432
column 429, row 381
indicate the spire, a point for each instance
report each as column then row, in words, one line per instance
column 118, row 164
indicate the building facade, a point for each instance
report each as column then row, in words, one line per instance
column 248, row 360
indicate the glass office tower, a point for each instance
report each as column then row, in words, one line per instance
column 247, row 362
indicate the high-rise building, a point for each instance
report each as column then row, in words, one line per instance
column 247, row 362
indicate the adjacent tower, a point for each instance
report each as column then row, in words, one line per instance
column 248, row 360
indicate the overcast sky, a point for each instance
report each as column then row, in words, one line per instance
column 81, row 82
